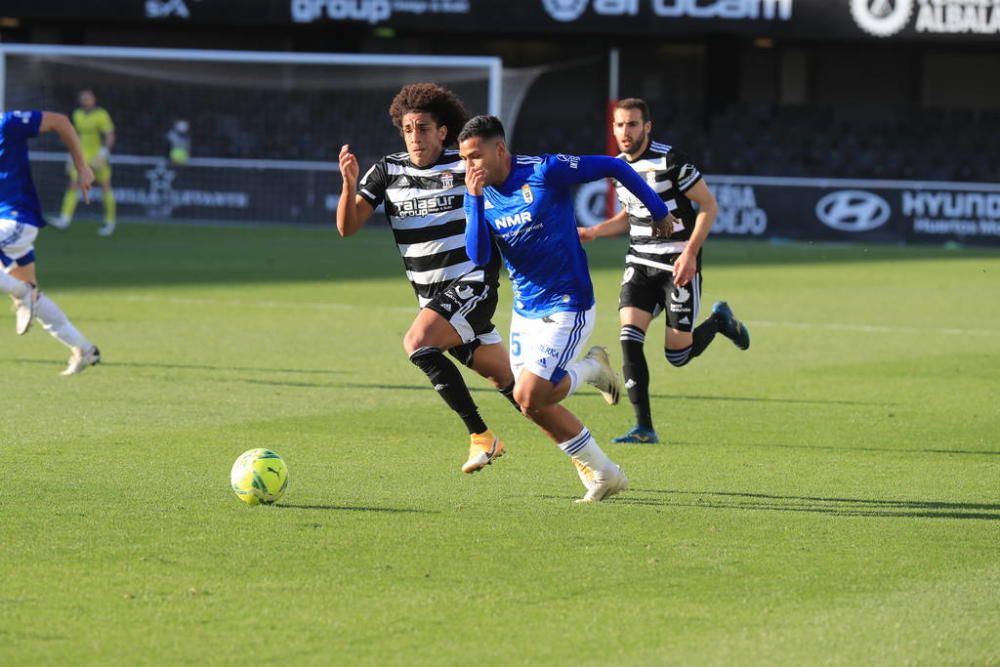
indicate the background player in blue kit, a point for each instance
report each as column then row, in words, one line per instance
column 525, row 205
column 21, row 218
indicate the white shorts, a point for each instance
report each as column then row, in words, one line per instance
column 548, row 345
column 17, row 243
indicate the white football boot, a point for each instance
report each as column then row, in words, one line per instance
column 59, row 223
column 107, row 229
column 607, row 381
column 24, row 310
column 604, row 485
column 585, row 472
column 81, row 359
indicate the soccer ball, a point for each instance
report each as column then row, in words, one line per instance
column 259, row 476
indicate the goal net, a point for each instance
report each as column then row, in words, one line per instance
column 263, row 130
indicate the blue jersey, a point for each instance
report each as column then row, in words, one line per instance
column 18, row 199
column 531, row 216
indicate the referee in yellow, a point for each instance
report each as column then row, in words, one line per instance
column 97, row 136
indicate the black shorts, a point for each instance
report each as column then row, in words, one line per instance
column 469, row 308
column 653, row 290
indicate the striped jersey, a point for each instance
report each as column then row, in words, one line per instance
column 671, row 174
column 425, row 208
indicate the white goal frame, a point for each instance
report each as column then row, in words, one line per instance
column 491, row 68
column 492, row 65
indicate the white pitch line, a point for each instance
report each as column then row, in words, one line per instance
column 410, row 310
column 874, row 328
column 242, row 303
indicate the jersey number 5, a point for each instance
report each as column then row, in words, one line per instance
column 515, row 344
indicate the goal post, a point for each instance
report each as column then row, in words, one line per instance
column 263, row 129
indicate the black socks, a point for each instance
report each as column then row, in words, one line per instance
column 703, row 336
column 447, row 380
column 636, row 373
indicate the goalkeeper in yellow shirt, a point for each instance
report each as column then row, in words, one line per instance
column 97, row 135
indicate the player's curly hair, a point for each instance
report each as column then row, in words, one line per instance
column 442, row 104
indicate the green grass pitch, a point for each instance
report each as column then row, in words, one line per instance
column 831, row 497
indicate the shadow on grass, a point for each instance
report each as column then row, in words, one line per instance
column 473, row 389
column 485, row 390
column 831, row 448
column 851, row 507
column 356, row 508
column 194, row 367
column 760, row 399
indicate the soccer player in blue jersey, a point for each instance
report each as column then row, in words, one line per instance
column 20, row 220
column 525, row 205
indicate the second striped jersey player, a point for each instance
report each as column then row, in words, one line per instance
column 423, row 190
column 661, row 274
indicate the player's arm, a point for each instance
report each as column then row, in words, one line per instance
column 708, row 208
column 353, row 210
column 61, row 125
column 108, row 132
column 477, row 231
column 109, row 141
column 613, row 226
column 571, row 170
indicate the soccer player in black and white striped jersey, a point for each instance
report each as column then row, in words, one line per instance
column 423, row 189
column 661, row 274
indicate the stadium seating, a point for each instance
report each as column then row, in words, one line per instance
column 757, row 140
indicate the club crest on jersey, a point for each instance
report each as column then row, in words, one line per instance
column 529, row 196
column 651, row 177
column 447, row 180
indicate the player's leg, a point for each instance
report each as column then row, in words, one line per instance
column 103, row 176
column 538, row 397
column 425, row 342
column 17, row 289
column 486, row 356
column 542, row 351
column 83, row 353
column 492, row 362
column 684, row 342
column 551, row 345
column 17, row 246
column 489, row 359
column 18, row 255
column 729, row 326
column 471, row 307
column 638, row 301
column 70, row 199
